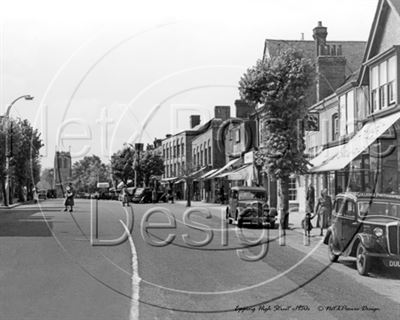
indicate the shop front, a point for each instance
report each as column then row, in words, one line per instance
column 369, row 162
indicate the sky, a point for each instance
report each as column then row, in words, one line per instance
column 105, row 73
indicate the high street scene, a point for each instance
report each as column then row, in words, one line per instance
column 217, row 160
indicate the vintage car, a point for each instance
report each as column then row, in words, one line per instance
column 144, row 195
column 249, row 205
column 367, row 227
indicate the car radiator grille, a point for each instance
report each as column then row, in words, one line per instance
column 394, row 239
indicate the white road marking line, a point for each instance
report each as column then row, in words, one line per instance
column 134, row 312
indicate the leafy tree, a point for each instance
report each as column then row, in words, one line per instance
column 24, row 144
column 280, row 85
column 122, row 164
column 86, row 173
column 150, row 164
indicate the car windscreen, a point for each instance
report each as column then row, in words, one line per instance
column 381, row 208
column 139, row 191
column 252, row 195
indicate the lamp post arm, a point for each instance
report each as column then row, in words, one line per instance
column 27, row 97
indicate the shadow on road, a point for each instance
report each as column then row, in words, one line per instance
column 22, row 223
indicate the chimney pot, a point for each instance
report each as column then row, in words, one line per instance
column 194, row 120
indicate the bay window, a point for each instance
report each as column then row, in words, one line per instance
column 383, row 84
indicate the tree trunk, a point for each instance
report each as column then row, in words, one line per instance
column 284, row 201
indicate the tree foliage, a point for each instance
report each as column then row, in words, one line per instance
column 151, row 164
column 280, row 85
column 24, row 145
column 86, row 173
column 122, row 164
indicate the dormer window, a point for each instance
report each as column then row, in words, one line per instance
column 383, row 84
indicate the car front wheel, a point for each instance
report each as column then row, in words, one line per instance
column 363, row 261
column 332, row 256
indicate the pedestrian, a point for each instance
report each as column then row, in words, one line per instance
column 323, row 210
column 69, row 198
column 222, row 194
column 124, row 193
column 35, row 195
column 310, row 199
column 171, row 195
column 154, row 195
column 310, row 202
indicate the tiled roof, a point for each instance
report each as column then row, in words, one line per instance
column 352, row 50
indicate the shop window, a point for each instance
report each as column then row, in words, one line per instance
column 292, row 189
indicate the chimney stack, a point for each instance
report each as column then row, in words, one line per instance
column 194, row 120
column 222, row 112
column 243, row 110
column 319, row 34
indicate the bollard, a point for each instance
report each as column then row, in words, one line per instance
column 282, row 232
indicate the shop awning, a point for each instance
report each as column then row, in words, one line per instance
column 207, row 174
column 225, row 167
column 168, row 180
column 245, row 172
column 362, row 140
column 325, row 156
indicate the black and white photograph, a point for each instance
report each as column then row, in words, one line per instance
column 199, row 160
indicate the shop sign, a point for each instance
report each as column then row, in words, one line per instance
column 249, row 157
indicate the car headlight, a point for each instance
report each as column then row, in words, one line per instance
column 378, row 232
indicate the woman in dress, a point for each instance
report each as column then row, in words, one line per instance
column 323, row 210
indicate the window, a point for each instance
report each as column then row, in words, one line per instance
column 205, row 156
column 209, row 154
column 338, row 206
column 177, row 150
column 335, row 127
column 350, row 209
column 383, row 84
column 292, row 189
column 346, row 113
column 183, row 148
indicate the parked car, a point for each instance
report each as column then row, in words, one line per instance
column 249, row 205
column 367, row 227
column 42, row 194
column 51, row 194
column 142, row 195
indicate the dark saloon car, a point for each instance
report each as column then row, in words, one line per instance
column 249, row 205
column 144, row 195
column 367, row 227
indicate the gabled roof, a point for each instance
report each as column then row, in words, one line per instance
column 352, row 50
column 380, row 15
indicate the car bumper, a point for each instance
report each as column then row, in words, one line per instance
column 391, row 261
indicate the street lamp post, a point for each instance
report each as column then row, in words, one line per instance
column 7, row 166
